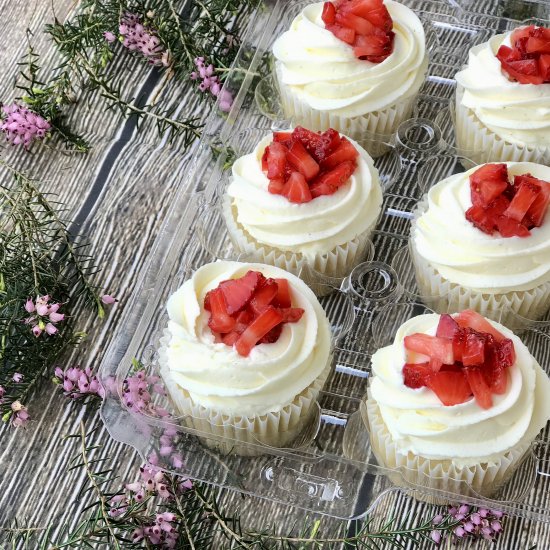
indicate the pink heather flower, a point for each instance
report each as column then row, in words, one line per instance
column 226, row 100
column 107, row 299
column 211, row 82
column 22, row 126
column 20, row 416
column 436, row 536
column 56, row 317
column 78, row 383
column 109, row 36
column 29, row 305
column 45, row 316
column 17, row 377
column 50, row 329
column 36, row 330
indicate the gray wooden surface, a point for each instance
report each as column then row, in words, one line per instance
column 117, row 193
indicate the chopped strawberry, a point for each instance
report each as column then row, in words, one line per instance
column 525, row 196
column 471, row 319
column 331, row 141
column 319, row 189
column 497, row 208
column 521, row 32
column 329, row 13
column 282, row 137
column 525, row 71
column 432, row 346
column 342, row 33
column 338, row 176
column 220, row 321
column 451, row 388
column 302, row 161
column 373, row 45
column 511, row 228
column 283, row 293
column 479, row 387
column 478, row 216
column 264, row 296
column 231, row 338
column 508, row 54
column 296, row 189
column 238, row 292
column 416, row 375
column 537, row 45
column 498, row 380
column 312, row 141
column 459, row 343
column 487, row 183
column 380, row 18
column 276, row 160
column 345, row 151
column 358, row 24
column 291, row 314
column 474, row 349
column 276, row 186
column 266, row 321
column 544, row 67
column 447, row 327
column 506, row 354
column 272, row 336
column 539, row 207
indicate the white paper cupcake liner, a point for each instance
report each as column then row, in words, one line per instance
column 479, row 477
column 476, row 141
column 336, row 263
column 443, row 295
column 231, row 433
column 370, row 129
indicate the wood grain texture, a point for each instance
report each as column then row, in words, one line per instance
column 120, row 192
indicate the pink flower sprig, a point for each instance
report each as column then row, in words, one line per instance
column 212, row 83
column 46, row 315
column 474, row 523
column 161, row 533
column 19, row 417
column 137, row 36
column 137, row 393
column 78, row 383
column 23, row 126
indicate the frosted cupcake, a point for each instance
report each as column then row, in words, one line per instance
column 481, row 240
column 503, row 98
column 454, row 403
column 353, row 66
column 304, row 199
column 245, row 354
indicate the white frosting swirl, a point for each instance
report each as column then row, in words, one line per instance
column 307, row 228
column 418, row 422
column 519, row 113
column 465, row 255
column 216, row 376
column 324, row 72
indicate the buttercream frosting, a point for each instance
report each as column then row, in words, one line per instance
column 324, row 72
column 216, row 376
column 463, row 254
column 419, row 423
column 519, row 113
column 308, row 228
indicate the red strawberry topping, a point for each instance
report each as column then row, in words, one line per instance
column 497, row 205
column 250, row 310
column 366, row 25
column 302, row 165
column 528, row 60
column 468, row 356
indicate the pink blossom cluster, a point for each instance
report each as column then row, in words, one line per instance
column 161, row 533
column 78, row 383
column 22, row 126
column 211, row 82
column 137, row 393
column 474, row 524
column 20, row 417
column 46, row 315
column 138, row 37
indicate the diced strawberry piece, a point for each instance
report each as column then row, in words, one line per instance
column 296, row 189
column 459, row 343
column 447, row 327
column 231, row 338
column 272, row 336
column 264, row 159
column 298, row 157
column 312, row 141
column 283, row 293
column 267, row 320
column 264, row 296
column 525, row 196
column 416, row 375
column 435, row 364
column 492, row 171
column 525, row 71
column 432, row 346
column 380, row 18
column 451, row 387
column 479, row 387
column 537, row 45
column 291, row 314
column 538, row 209
column 338, row 176
column 373, row 45
column 540, row 32
column 472, row 319
column 276, row 186
column 498, row 380
column 506, row 354
column 508, row 54
column 342, row 33
column 346, row 151
column 544, row 67
column 358, row 24
column 486, row 191
column 474, row 349
column 478, row 216
column 282, row 137
column 521, row 32
column 511, row 228
column 329, row 13
column 238, row 292
column 319, row 189
column 220, row 321
column 497, row 208
column 276, row 160
column 331, row 141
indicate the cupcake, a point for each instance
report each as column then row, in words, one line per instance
column 481, row 240
column 246, row 352
column 355, row 66
column 304, row 199
column 454, row 403
column 503, row 98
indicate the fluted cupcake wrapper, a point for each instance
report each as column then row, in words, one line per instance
column 476, row 141
column 232, row 433
column 419, row 473
column 370, row 130
column 443, row 295
column 335, row 264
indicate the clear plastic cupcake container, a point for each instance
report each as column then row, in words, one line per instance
column 329, row 461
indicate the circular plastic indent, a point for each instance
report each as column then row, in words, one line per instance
column 418, row 135
column 374, row 281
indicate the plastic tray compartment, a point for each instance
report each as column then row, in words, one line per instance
column 329, row 467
